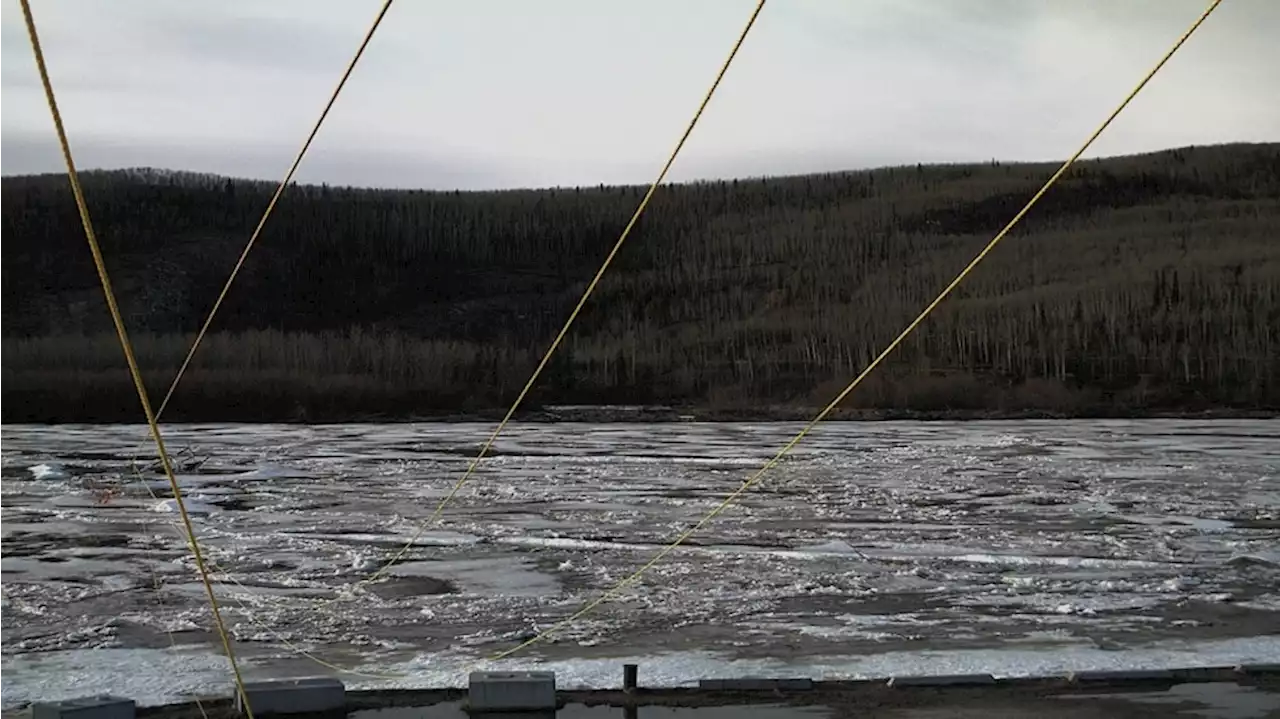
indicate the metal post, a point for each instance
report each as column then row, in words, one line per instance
column 629, row 672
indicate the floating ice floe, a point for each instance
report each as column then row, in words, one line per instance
column 193, row 506
column 264, row 473
column 48, row 471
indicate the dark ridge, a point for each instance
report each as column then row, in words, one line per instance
column 1140, row 285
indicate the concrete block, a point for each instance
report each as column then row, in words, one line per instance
column 755, row 684
column 102, row 706
column 294, row 696
column 713, row 685
column 1122, row 676
column 1203, row 674
column 801, row 684
column 512, row 691
column 943, row 680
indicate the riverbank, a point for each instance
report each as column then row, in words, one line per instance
column 125, row 413
column 804, row 414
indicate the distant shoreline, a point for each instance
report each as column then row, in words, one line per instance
column 675, row 415
column 606, row 415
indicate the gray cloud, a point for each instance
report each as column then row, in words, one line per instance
column 491, row 93
column 335, row 166
column 251, row 43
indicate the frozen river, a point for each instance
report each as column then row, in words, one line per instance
column 1010, row 547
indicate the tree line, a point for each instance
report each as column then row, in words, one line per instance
column 1138, row 284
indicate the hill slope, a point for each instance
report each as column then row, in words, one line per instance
column 1138, row 284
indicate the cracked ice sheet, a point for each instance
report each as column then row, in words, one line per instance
column 870, row 540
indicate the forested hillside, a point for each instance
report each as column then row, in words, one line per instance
column 1139, row 284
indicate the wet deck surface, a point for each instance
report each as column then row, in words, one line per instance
column 1207, row 700
column 1246, row 697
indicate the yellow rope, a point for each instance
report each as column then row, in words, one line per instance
column 158, row 585
column 874, row 363
column 127, row 346
column 333, row 97
column 559, row 338
column 541, row 365
column 293, row 168
column 626, row 232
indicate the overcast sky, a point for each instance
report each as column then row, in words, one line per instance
column 499, row 93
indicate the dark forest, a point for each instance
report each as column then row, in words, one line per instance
column 1140, row 285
